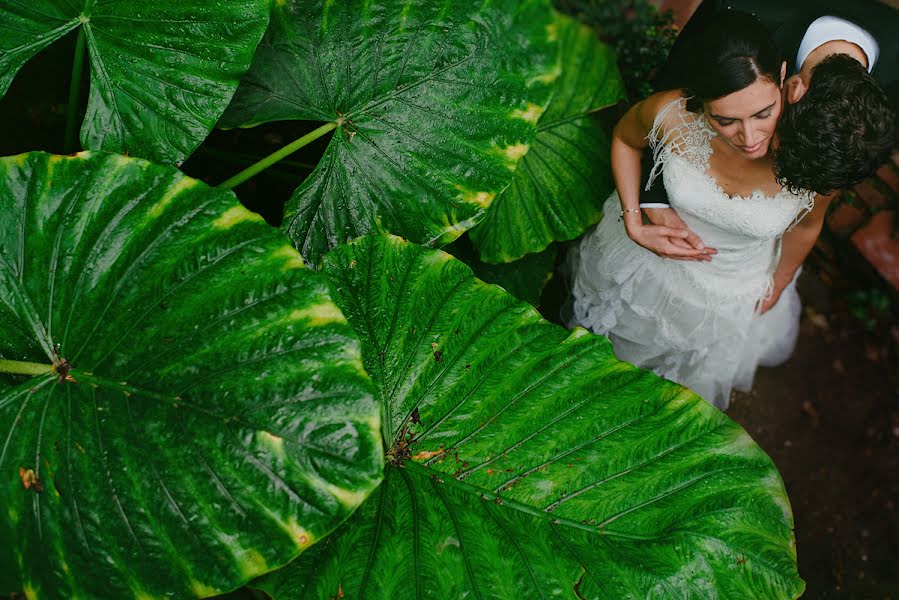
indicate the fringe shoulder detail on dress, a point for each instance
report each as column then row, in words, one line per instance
column 808, row 203
column 675, row 130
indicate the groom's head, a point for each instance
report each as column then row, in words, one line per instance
column 837, row 126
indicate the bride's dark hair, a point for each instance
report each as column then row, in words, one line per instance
column 730, row 51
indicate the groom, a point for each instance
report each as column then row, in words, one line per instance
column 837, row 126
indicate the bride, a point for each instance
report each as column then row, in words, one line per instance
column 706, row 324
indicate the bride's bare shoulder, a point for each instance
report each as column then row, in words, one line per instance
column 660, row 100
column 652, row 107
column 641, row 121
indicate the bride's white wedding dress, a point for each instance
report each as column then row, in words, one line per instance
column 692, row 322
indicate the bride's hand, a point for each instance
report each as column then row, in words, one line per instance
column 780, row 284
column 666, row 242
column 770, row 302
column 689, row 246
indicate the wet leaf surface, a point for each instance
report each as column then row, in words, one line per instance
column 537, row 464
column 560, row 184
column 161, row 74
column 215, row 419
column 435, row 101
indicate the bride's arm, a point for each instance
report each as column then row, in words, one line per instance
column 796, row 244
column 629, row 140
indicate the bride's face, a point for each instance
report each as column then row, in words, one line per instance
column 746, row 119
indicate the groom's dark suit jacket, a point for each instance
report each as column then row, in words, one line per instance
column 788, row 20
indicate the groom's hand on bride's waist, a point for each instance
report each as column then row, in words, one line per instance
column 669, row 237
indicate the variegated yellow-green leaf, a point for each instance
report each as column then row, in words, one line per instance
column 527, row 462
column 562, row 181
column 161, row 72
column 189, row 408
column 436, row 101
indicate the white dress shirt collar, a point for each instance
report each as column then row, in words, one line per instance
column 827, row 29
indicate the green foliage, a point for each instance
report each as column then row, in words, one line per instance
column 436, row 103
column 560, row 184
column 184, row 407
column 872, row 308
column 207, row 417
column 162, row 73
column 640, row 35
column 526, row 459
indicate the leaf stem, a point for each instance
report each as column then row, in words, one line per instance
column 24, row 368
column 74, row 93
column 245, row 157
column 277, row 155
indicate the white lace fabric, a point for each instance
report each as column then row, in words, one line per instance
column 692, row 322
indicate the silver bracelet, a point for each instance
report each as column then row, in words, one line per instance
column 627, row 210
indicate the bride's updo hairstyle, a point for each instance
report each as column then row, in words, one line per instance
column 729, row 53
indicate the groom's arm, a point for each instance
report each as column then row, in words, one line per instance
column 657, row 195
column 657, row 209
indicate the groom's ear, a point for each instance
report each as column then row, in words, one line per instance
column 795, row 89
column 783, row 72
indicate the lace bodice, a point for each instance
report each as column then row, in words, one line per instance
column 681, row 144
column 745, row 230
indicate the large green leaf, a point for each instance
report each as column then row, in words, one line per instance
column 437, row 101
column 161, row 72
column 216, row 420
column 528, row 462
column 560, row 184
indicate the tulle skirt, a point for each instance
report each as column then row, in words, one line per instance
column 683, row 320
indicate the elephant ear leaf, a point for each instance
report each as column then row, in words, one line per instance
column 435, row 102
column 161, row 73
column 560, row 184
column 527, row 462
column 188, row 407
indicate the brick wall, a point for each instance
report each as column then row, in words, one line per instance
column 865, row 216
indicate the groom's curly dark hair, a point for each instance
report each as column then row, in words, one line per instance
column 838, row 133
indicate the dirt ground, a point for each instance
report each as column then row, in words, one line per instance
column 829, row 419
